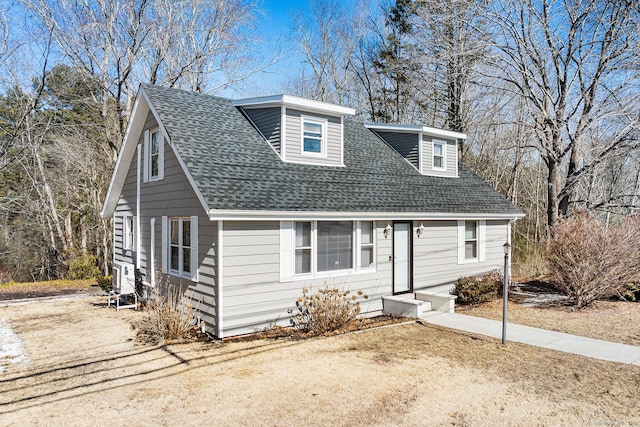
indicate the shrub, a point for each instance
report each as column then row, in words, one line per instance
column 327, row 310
column 82, row 267
column 105, row 283
column 476, row 290
column 632, row 292
column 168, row 318
column 588, row 260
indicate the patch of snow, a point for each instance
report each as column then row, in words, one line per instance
column 542, row 299
column 11, row 351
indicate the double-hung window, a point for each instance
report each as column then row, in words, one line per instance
column 323, row 247
column 180, row 246
column 470, row 240
column 439, row 155
column 314, row 140
column 127, row 232
column 153, row 155
column 303, row 247
column 366, row 244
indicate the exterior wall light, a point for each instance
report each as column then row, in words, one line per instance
column 420, row 230
column 387, row 231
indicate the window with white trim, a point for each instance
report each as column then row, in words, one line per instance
column 303, row 248
column 367, row 232
column 439, row 148
column 180, row 246
column 470, row 240
column 322, row 247
column 314, row 137
column 153, row 155
column 127, row 231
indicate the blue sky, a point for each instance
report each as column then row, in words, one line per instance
column 276, row 23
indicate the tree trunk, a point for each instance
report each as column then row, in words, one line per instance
column 553, row 184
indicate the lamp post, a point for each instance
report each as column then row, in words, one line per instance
column 505, row 291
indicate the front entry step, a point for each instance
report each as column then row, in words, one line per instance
column 440, row 301
column 405, row 305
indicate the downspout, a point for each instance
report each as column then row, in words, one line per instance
column 137, row 233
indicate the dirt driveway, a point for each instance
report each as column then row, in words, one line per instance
column 83, row 367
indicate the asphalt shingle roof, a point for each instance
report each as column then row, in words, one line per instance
column 236, row 169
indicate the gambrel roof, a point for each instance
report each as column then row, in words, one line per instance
column 236, row 173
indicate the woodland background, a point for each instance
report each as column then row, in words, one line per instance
column 547, row 91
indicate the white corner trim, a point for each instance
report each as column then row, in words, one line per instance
column 283, row 133
column 138, row 207
column 420, row 153
column 220, row 281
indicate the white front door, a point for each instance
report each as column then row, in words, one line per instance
column 402, row 282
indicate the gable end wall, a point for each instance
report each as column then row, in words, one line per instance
column 172, row 196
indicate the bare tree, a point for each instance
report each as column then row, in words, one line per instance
column 574, row 64
column 121, row 43
column 328, row 39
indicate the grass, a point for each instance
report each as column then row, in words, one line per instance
column 611, row 388
column 12, row 290
column 620, row 318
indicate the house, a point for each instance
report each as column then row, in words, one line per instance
column 249, row 201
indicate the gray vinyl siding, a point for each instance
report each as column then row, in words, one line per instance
column 267, row 120
column 404, row 143
column 254, row 298
column 171, row 196
column 436, row 253
column 293, row 139
column 451, row 157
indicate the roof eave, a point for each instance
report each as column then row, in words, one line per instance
column 294, row 102
column 275, row 215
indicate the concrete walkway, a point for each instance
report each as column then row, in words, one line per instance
column 597, row 349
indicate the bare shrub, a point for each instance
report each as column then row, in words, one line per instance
column 588, row 260
column 326, row 310
column 476, row 290
column 170, row 317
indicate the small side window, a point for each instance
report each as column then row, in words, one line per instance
column 366, row 244
column 470, row 240
column 303, row 247
column 154, row 154
column 127, row 231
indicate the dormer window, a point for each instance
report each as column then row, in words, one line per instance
column 299, row 130
column 314, row 136
column 431, row 151
column 439, row 155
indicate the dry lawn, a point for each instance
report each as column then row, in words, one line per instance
column 617, row 321
column 15, row 290
column 84, row 368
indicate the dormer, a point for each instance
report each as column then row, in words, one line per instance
column 430, row 150
column 300, row 130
